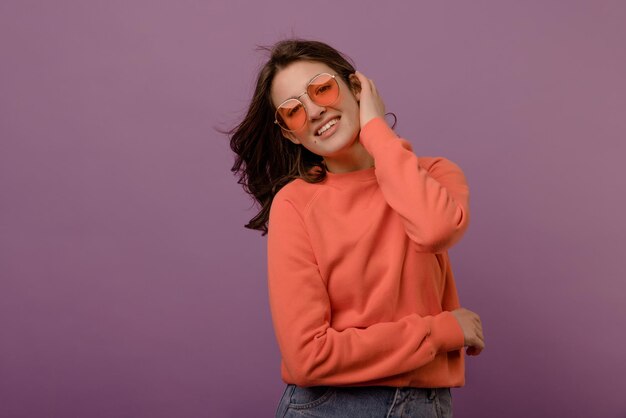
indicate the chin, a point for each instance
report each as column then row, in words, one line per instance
column 338, row 147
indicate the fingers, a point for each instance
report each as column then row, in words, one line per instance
column 371, row 104
column 361, row 76
column 478, row 332
column 366, row 82
column 472, row 329
column 476, row 347
column 479, row 343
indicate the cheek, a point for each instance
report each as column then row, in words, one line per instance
column 355, row 116
column 354, row 106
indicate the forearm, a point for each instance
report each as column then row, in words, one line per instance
column 316, row 354
column 429, row 194
column 313, row 351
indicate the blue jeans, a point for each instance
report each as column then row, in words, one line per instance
column 364, row 402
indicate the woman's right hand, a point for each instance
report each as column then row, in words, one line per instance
column 371, row 105
column 472, row 330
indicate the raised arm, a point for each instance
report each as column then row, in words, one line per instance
column 316, row 354
column 430, row 194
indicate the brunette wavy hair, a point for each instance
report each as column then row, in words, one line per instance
column 265, row 160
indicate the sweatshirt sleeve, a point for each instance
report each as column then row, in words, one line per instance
column 430, row 194
column 314, row 353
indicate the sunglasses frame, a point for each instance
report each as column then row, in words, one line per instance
column 297, row 98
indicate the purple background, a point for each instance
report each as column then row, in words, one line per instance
column 129, row 287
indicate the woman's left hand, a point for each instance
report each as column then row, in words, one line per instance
column 371, row 104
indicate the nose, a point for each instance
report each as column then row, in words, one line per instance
column 314, row 110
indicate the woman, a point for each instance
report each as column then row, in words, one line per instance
column 362, row 295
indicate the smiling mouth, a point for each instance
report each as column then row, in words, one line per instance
column 327, row 126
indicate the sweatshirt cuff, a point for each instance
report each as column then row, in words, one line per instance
column 376, row 134
column 446, row 333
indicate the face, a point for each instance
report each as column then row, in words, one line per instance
column 290, row 82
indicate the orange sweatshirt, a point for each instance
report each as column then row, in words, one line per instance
column 360, row 284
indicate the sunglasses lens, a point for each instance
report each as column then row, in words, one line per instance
column 323, row 90
column 291, row 115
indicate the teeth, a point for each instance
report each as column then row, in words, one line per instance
column 326, row 127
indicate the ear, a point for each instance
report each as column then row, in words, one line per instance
column 290, row 136
column 355, row 86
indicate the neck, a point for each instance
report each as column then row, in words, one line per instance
column 355, row 158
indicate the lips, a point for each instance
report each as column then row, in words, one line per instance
column 323, row 124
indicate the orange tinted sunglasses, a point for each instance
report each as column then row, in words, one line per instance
column 323, row 90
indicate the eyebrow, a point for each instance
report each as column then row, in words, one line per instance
column 307, row 84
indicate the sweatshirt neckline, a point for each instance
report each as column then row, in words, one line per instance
column 348, row 176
